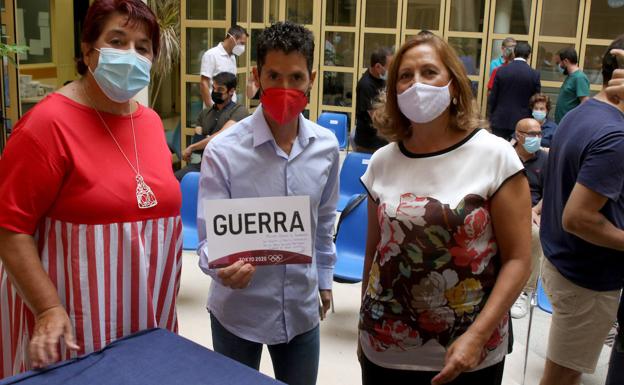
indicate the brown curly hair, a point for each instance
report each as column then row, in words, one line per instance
column 388, row 118
column 540, row 98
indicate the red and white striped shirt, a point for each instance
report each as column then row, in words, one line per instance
column 116, row 267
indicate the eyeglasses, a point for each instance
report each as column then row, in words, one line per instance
column 534, row 134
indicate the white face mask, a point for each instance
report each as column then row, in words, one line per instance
column 238, row 49
column 422, row 103
column 384, row 76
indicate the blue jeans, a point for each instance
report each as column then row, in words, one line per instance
column 295, row 362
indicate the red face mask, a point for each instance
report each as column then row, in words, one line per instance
column 283, row 104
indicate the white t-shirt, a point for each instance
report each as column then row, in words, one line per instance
column 217, row 60
column 437, row 259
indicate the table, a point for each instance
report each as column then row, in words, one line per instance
column 150, row 357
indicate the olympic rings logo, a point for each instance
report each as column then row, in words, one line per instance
column 274, row 258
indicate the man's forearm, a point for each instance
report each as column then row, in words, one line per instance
column 204, row 90
column 200, row 145
column 597, row 229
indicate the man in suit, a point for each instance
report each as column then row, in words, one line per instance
column 513, row 86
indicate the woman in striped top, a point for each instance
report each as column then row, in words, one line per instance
column 90, row 233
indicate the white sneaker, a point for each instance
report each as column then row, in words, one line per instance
column 521, row 307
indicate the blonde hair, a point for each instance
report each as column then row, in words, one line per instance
column 388, row 118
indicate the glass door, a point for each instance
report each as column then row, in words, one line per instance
column 204, row 24
column 9, row 99
column 551, row 37
column 600, row 17
column 511, row 18
column 466, row 30
column 339, row 51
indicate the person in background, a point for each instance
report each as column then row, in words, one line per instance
column 221, row 58
column 575, row 87
column 214, row 120
column 274, row 152
column 582, row 230
column 437, row 284
column 251, row 88
column 540, row 107
column 94, row 205
column 527, row 145
column 508, row 57
column 507, row 48
column 372, row 82
column 615, row 376
column 513, row 86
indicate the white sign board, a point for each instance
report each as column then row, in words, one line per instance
column 260, row 231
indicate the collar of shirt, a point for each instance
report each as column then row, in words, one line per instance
column 548, row 123
column 223, row 51
column 262, row 132
column 520, row 59
column 227, row 106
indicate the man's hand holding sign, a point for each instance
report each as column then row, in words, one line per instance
column 237, row 275
column 244, row 233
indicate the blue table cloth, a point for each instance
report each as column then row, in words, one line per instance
column 151, row 357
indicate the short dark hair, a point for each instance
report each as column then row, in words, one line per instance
column 568, row 53
column 227, row 79
column 522, row 49
column 380, row 56
column 609, row 62
column 138, row 13
column 237, row 31
column 287, row 37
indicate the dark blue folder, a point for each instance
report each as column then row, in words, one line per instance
column 151, row 357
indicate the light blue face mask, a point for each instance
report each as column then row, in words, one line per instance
column 121, row 74
column 539, row 115
column 532, row 144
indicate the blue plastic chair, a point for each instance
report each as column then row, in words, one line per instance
column 351, row 245
column 337, row 123
column 189, row 187
column 542, row 299
column 353, row 167
column 539, row 299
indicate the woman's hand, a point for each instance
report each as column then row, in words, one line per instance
column 50, row 326
column 463, row 355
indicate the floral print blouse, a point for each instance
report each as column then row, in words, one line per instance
column 437, row 260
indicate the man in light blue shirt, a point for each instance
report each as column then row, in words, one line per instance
column 275, row 152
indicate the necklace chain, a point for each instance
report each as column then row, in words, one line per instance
column 136, row 170
column 144, row 195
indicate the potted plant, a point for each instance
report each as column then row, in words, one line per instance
column 168, row 14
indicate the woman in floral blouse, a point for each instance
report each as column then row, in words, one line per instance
column 448, row 230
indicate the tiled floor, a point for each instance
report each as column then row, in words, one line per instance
column 338, row 363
